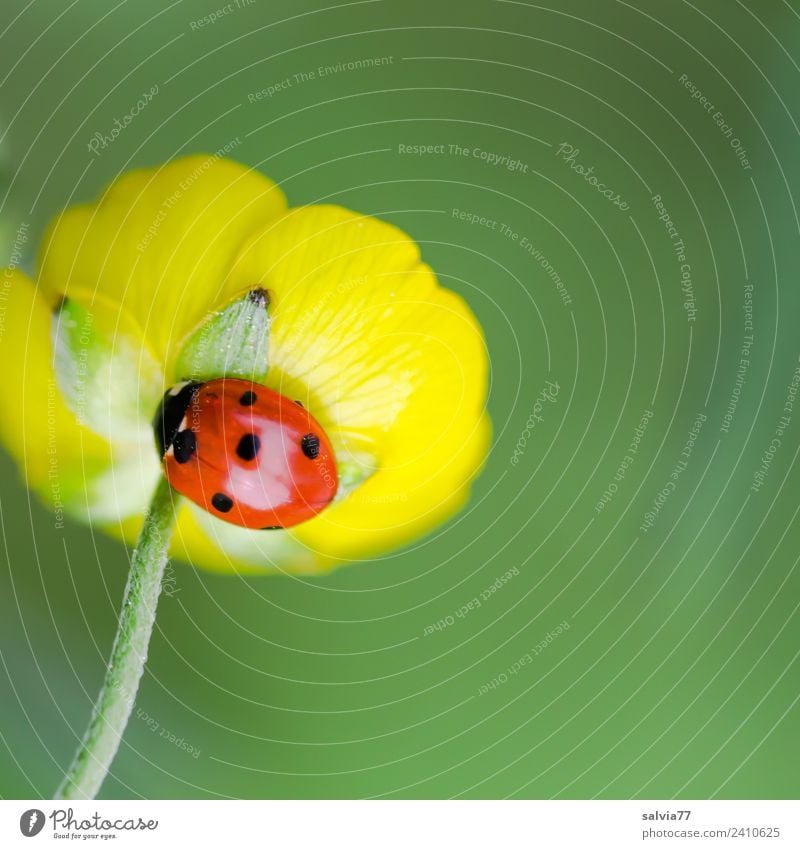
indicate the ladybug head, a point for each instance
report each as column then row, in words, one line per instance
column 171, row 413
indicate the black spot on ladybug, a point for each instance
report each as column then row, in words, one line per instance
column 248, row 399
column 184, row 445
column 248, row 446
column 170, row 413
column 272, row 528
column 310, row 445
column 221, row 502
column 259, row 297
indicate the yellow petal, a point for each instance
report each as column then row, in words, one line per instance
column 392, row 365
column 159, row 244
column 205, row 541
column 56, row 456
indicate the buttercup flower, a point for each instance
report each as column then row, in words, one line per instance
column 354, row 326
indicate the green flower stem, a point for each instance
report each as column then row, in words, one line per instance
column 118, row 693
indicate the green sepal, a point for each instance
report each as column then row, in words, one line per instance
column 106, row 373
column 354, row 466
column 232, row 342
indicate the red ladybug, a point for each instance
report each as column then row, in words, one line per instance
column 245, row 453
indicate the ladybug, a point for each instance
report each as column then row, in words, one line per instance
column 245, row 453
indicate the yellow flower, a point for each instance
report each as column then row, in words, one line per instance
column 391, row 364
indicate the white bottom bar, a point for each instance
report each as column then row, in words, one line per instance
column 402, row 824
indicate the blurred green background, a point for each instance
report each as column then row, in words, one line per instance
column 677, row 674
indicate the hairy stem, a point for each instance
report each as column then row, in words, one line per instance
column 115, row 701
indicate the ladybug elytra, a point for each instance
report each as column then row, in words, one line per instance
column 245, row 453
